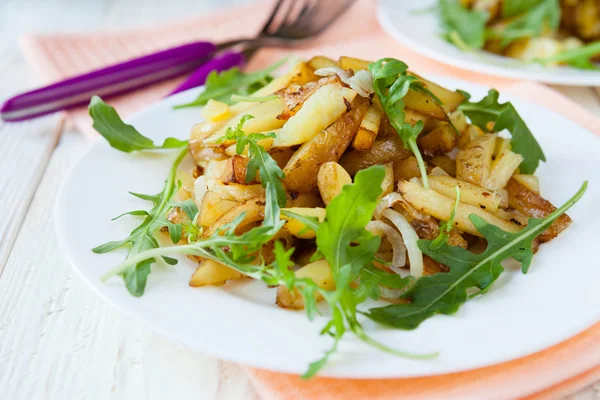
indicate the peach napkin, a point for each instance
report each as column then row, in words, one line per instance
column 554, row 372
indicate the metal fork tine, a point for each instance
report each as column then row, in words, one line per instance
column 271, row 18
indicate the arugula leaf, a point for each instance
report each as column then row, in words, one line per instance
column 120, row 135
column 391, row 83
column 505, row 116
column 444, row 292
column 446, row 226
column 511, row 8
column 580, row 57
column 532, row 23
column 260, row 160
column 142, row 238
column 222, row 85
column 468, row 25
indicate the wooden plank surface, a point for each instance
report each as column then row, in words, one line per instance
column 57, row 339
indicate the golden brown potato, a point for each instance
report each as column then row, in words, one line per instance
column 213, row 207
column 318, row 62
column 302, row 169
column 210, row 272
column 294, row 96
column 471, row 194
column 297, row 228
column 533, row 205
column 474, row 161
column 355, row 64
column 438, row 141
column 331, row 179
column 471, row 132
column 383, row 151
column 444, row 162
column 531, row 182
column 406, row 169
column 319, row 272
column 369, row 127
column 440, row 207
column 387, row 185
column 502, row 169
column 424, row 104
column 450, row 99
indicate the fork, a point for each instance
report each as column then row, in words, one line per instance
column 291, row 23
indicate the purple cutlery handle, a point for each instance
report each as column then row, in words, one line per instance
column 220, row 63
column 118, row 78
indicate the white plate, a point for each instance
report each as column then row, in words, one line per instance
column 520, row 315
column 405, row 22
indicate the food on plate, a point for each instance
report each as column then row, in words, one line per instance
column 343, row 181
column 548, row 32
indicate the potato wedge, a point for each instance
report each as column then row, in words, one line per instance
column 297, row 228
column 235, row 191
column 294, row 96
column 444, row 162
column 317, row 271
column 332, row 177
column 319, row 62
column 533, row 205
column 438, row 141
column 355, row 64
column 473, row 163
column 531, row 182
column 382, row 152
column 215, row 110
column 439, row 206
column 232, row 169
column 502, row 169
column 459, row 120
column 210, row 272
column 471, row 194
column 387, row 185
column 321, row 109
column 369, row 127
column 213, row 207
column 302, row 169
column 450, row 99
column 406, row 169
column 471, row 132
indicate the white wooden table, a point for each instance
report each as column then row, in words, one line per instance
column 57, row 339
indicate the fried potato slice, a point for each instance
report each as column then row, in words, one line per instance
column 302, row 169
column 369, row 127
column 502, row 169
column 440, row 140
column 319, row 272
column 318, row 62
column 440, row 207
column 331, row 179
column 382, row 152
column 471, row 194
column 533, row 205
column 474, row 161
column 212, row 273
column 355, row 64
column 297, row 228
column 444, row 162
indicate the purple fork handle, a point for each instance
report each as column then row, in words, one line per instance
column 219, row 63
column 116, row 79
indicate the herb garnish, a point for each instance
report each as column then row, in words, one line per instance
column 505, row 116
column 446, row 226
column 463, row 25
column 444, row 292
column 391, row 82
column 222, row 85
column 120, row 135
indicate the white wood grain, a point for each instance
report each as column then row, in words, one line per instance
column 57, row 339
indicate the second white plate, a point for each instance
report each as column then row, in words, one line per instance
column 406, row 22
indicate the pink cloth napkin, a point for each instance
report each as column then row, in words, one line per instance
column 551, row 373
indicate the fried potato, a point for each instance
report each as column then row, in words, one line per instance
column 297, row 228
column 471, row 194
column 471, row 132
column 424, row 104
column 382, row 152
column 473, row 162
column 502, row 169
column 406, row 169
column 215, row 110
column 267, row 143
column 331, row 179
column 210, row 272
column 450, row 99
column 438, row 141
column 319, row 62
column 355, row 64
column 444, row 162
column 213, row 206
column 531, row 182
column 387, row 185
column 294, row 96
column 232, row 169
column 533, row 205
column 369, row 127
column 459, row 120
column 321, row 109
column 439, row 206
column 319, row 272
column 302, row 169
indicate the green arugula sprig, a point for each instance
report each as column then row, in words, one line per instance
column 142, row 238
column 121, row 136
column 222, row 85
column 391, row 83
column 462, row 27
column 260, row 160
column 580, row 57
column 445, row 293
column 505, row 116
column 446, row 226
